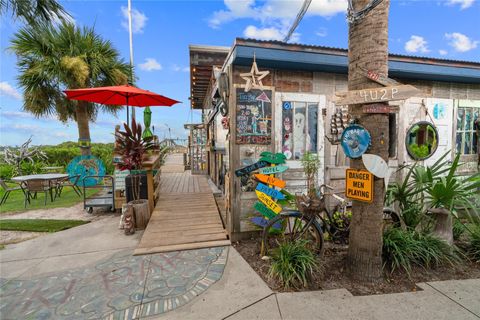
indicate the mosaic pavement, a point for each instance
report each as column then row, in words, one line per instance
column 120, row 287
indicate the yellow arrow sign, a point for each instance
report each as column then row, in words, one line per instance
column 268, row 202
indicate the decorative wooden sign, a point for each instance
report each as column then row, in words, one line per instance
column 268, row 202
column 273, row 170
column 359, row 185
column 379, row 108
column 400, row 92
column 274, row 158
column 381, row 79
column 270, row 191
column 253, row 117
column 266, row 212
column 262, row 222
column 270, row 180
column 248, row 169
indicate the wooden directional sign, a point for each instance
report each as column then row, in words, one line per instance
column 379, row 108
column 381, row 79
column 359, row 185
column 401, row 92
column 270, row 180
column 268, row 202
column 266, row 212
column 275, row 158
column 262, row 222
column 273, row 170
column 270, row 191
column 246, row 170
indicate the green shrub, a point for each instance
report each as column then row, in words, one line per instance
column 458, row 229
column 7, row 171
column 293, row 263
column 474, row 247
column 404, row 248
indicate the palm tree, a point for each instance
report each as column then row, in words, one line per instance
column 35, row 11
column 368, row 50
column 51, row 59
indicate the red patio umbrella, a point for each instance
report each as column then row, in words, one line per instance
column 120, row 95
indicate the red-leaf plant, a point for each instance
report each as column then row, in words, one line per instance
column 130, row 145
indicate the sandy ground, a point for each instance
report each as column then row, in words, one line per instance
column 75, row 212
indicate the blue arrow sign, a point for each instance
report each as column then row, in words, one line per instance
column 262, row 222
column 270, row 191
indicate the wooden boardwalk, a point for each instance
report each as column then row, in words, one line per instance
column 185, row 217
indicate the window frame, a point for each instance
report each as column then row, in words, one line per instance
column 463, row 104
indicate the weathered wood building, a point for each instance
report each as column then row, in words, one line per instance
column 293, row 113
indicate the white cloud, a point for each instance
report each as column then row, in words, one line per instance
column 461, row 42
column 464, row 4
column 322, row 32
column 63, row 134
column 150, row 64
column 263, row 33
column 17, row 114
column 443, row 52
column 416, row 44
column 7, row 90
column 139, row 19
column 178, row 68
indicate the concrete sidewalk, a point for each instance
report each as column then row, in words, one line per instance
column 89, row 272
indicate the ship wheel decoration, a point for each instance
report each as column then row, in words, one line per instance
column 254, row 77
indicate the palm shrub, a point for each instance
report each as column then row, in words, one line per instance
column 403, row 249
column 458, row 229
column 474, row 247
column 293, row 264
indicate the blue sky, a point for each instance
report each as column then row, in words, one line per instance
column 164, row 29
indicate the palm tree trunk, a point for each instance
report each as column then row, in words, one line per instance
column 368, row 49
column 82, row 118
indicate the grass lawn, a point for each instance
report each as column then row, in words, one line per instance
column 15, row 202
column 39, row 225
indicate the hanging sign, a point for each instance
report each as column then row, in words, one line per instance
column 273, row 170
column 379, row 108
column 266, row 212
column 355, row 141
column 273, row 158
column 359, row 185
column 381, row 79
column 268, row 202
column 270, row 191
column 400, row 92
column 248, row 169
column 270, row 180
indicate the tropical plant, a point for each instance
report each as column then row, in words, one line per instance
column 293, row 263
column 458, row 229
column 51, row 59
column 311, row 165
column 474, row 246
column 403, row 249
column 35, row 12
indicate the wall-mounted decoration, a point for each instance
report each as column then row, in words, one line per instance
column 286, row 105
column 355, row 141
column 253, row 79
column 253, row 117
column 225, row 123
column 379, row 167
column 421, row 140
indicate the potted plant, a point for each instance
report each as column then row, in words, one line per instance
column 311, row 203
column 133, row 149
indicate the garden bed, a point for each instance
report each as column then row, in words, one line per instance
column 335, row 277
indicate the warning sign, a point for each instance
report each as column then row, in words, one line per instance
column 359, row 185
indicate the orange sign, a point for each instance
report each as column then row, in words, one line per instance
column 359, row 185
column 270, row 180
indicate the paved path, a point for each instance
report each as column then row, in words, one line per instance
column 89, row 273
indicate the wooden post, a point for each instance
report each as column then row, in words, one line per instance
column 150, row 190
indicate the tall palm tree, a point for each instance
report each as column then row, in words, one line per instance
column 51, row 59
column 368, row 50
column 35, row 11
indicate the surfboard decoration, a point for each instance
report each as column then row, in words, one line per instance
column 266, row 212
column 379, row 167
column 271, row 192
column 268, row 202
column 270, row 180
column 273, row 170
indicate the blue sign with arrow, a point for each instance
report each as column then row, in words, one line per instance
column 270, row 191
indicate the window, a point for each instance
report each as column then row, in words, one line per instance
column 466, row 135
column 299, row 129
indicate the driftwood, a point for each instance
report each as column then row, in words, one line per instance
column 443, row 228
column 129, row 217
column 142, row 213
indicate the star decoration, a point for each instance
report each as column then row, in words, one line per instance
column 254, row 77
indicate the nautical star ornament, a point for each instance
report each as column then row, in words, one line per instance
column 254, row 77
column 355, row 141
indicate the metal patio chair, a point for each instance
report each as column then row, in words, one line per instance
column 67, row 182
column 7, row 190
column 33, row 186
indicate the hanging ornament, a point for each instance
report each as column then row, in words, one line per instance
column 254, row 77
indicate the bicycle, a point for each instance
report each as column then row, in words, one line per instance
column 312, row 226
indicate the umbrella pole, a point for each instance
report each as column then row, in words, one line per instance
column 128, row 115
column 131, row 53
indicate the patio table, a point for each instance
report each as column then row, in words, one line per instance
column 44, row 176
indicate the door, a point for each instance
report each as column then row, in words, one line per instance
column 441, row 114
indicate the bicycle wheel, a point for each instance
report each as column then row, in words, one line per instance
column 294, row 226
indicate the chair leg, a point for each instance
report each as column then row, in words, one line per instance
column 5, row 197
column 45, row 198
column 51, row 194
column 27, row 195
column 77, row 190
